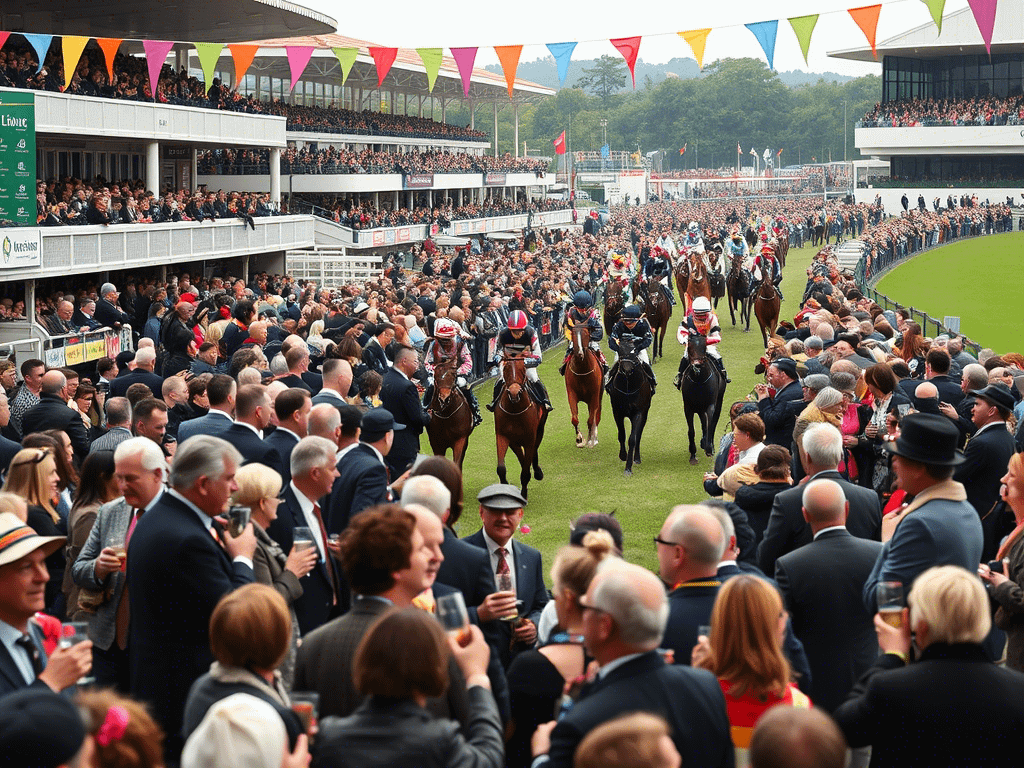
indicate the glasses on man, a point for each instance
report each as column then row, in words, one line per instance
column 658, row 540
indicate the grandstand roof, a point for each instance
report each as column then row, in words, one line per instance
column 960, row 36
column 191, row 20
column 407, row 74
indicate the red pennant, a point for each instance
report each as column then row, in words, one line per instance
column 383, row 58
column 3, row 38
column 629, row 47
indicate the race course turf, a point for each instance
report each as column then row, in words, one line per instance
column 977, row 280
column 578, row 480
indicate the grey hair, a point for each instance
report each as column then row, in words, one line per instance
column 145, row 356
column 427, row 491
column 844, row 381
column 717, row 508
column 278, row 366
column 311, row 452
column 823, row 445
column 976, row 375
column 617, row 595
column 698, row 547
column 827, row 397
column 249, row 375
column 825, row 332
column 201, row 456
column 152, row 456
column 814, row 342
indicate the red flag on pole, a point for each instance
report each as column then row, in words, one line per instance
column 560, row 144
column 739, row 150
column 683, row 150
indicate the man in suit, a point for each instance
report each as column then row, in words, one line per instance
column 149, row 419
column 291, row 409
column 775, row 412
column 821, row 450
column 84, row 316
column 8, row 448
column 939, row 527
column 399, row 395
column 337, row 382
column 985, row 459
column 139, row 468
column 501, row 511
column 373, row 353
column 221, row 391
column 119, row 425
column 23, row 577
column 950, row 705
column 362, row 474
column 314, row 472
column 52, row 412
column 624, row 615
column 107, row 312
column 297, row 360
column 822, row 583
column 145, row 362
column 252, row 415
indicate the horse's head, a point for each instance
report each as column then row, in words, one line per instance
column 445, row 376
column 513, row 374
column 580, row 339
column 696, row 349
column 628, row 355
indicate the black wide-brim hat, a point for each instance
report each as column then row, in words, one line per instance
column 927, row 438
column 998, row 394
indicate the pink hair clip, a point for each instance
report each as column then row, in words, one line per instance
column 114, row 726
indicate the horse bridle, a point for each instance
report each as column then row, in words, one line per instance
column 590, row 370
column 514, row 398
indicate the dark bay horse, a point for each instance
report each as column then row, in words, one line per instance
column 659, row 311
column 584, row 384
column 716, row 280
column 630, row 395
column 737, row 282
column 451, row 421
column 614, row 301
column 703, row 389
column 766, row 308
column 518, row 422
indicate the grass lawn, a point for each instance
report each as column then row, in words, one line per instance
column 578, row 480
column 976, row 280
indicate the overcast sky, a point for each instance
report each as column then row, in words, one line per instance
column 532, row 23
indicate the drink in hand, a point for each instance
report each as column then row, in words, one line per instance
column 892, row 615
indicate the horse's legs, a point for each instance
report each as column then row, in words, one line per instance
column 524, row 465
column 459, row 450
column 538, row 473
column 574, row 410
column 594, row 418
column 708, row 426
column 502, row 442
column 631, row 448
column 689, row 434
column 638, row 431
column 620, row 425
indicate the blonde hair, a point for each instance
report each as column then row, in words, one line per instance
column 628, row 741
column 953, row 603
column 255, row 483
column 13, row 503
column 574, row 567
column 29, row 477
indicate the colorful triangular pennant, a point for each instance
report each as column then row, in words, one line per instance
column 431, row 58
column 508, row 55
column 697, row 40
column 383, row 58
column 3, row 38
column 935, row 8
column 109, row 46
column 209, row 55
column 298, row 58
column 867, row 19
column 803, row 26
column 563, row 55
column 629, row 47
column 464, row 58
column 766, row 32
column 985, row 15
column 156, row 55
column 346, row 58
column 40, row 44
column 242, row 55
column 71, row 50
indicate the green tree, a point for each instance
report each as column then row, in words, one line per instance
column 607, row 76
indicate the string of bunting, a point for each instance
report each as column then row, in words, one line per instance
column 242, row 54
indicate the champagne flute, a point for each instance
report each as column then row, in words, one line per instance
column 890, row 602
column 504, row 584
column 452, row 613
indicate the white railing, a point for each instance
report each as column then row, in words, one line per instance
column 366, row 183
column 332, row 268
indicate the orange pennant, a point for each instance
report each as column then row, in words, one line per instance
column 109, row 46
column 242, row 55
column 867, row 19
column 508, row 55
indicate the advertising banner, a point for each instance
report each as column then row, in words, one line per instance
column 20, row 248
column 418, row 181
column 404, row 235
column 494, row 179
column 17, row 160
column 378, row 237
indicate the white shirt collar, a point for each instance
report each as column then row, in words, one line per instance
column 990, row 424
column 258, row 432
column 206, row 520
column 830, row 528
column 285, row 429
column 221, row 413
column 492, row 545
column 304, row 501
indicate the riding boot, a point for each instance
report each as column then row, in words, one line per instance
column 677, row 382
column 721, row 369
column 565, row 362
column 497, row 393
column 777, row 288
column 609, row 377
column 541, row 393
column 651, row 377
column 428, row 395
column 474, row 405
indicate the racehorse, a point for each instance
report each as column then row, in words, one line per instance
column 614, row 301
column 738, row 284
column 750, row 235
column 715, row 279
column 697, row 284
column 766, row 308
column 583, row 384
column 703, row 389
column 681, row 272
column 451, row 421
column 782, row 246
column 630, row 395
column 518, row 422
column 658, row 310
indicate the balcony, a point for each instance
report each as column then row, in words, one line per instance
column 940, row 140
column 363, row 183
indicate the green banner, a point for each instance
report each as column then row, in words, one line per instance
column 17, row 159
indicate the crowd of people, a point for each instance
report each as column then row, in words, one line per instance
column 911, row 113
column 332, row 160
column 234, row 516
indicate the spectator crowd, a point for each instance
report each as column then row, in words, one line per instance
column 912, row 113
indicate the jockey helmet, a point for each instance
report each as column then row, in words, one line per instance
column 766, row 248
column 737, row 236
column 444, row 329
column 701, row 305
column 582, row 299
column 632, row 312
column 694, row 227
column 618, row 261
column 517, row 320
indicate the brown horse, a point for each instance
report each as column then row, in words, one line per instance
column 682, row 276
column 583, row 384
column 698, row 284
column 715, row 279
column 658, row 310
column 766, row 308
column 614, row 301
column 518, row 422
column 451, row 418
column 782, row 246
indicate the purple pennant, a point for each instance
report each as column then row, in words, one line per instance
column 156, row 55
column 464, row 58
column 985, row 15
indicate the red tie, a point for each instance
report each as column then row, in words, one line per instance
column 502, row 561
column 327, row 554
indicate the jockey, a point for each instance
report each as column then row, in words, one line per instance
column 659, row 267
column 693, row 240
column 765, row 262
column 702, row 322
column 582, row 311
column 620, row 272
column 737, row 246
column 447, row 345
column 518, row 338
column 779, row 227
column 666, row 243
column 633, row 326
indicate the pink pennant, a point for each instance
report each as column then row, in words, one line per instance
column 383, row 58
column 465, row 57
column 3, row 38
column 156, row 55
column 629, row 47
column 985, row 15
column 298, row 58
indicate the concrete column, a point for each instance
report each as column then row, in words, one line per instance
column 397, row 206
column 430, row 198
column 195, row 168
column 411, row 202
column 376, row 200
column 495, row 105
column 444, row 107
column 472, row 116
column 275, row 175
column 419, row 106
column 460, row 196
column 153, row 166
column 515, row 129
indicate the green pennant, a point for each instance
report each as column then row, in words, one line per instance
column 935, row 8
column 209, row 55
column 431, row 58
column 346, row 58
column 803, row 26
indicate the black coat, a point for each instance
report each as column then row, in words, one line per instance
column 51, row 412
column 756, row 500
column 253, row 449
column 822, row 583
column 110, row 315
column 987, row 455
column 119, row 386
column 362, row 482
column 779, row 419
column 467, row 568
column 207, row 691
column 400, row 396
column 284, row 443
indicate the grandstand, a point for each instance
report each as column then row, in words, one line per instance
column 951, row 125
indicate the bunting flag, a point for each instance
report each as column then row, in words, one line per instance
column 606, row 151
column 3, row 38
column 209, row 55
column 985, row 15
column 753, row 152
column 71, row 49
column 563, row 55
column 298, row 58
column 347, row 57
column 156, row 55
column 779, row 153
column 935, row 8
column 560, row 144
column 464, row 58
column 683, row 150
column 109, row 46
column 765, row 32
column 803, row 26
column 242, row 55
column 383, row 58
column 40, row 44
column 697, row 40
column 867, row 19
column 508, row 55
column 629, row 47
column 431, row 58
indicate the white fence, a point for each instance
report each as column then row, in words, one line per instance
column 332, row 268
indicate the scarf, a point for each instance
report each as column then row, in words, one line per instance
column 948, row 490
column 1012, row 539
column 238, row 675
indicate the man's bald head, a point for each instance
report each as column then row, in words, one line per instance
column 53, row 382
column 926, row 391
column 824, row 503
column 325, row 421
column 634, row 598
column 698, row 532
